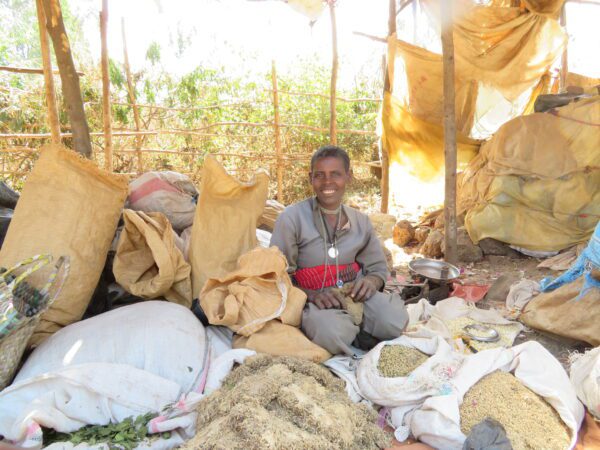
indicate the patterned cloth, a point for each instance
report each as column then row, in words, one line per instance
column 324, row 276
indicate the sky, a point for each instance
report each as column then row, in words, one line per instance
column 223, row 30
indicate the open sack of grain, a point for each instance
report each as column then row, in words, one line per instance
column 448, row 319
column 402, row 373
column 539, row 381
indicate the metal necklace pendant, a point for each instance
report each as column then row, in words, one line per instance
column 339, row 283
column 332, row 252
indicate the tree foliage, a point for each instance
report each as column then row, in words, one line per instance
column 207, row 95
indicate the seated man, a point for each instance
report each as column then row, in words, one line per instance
column 327, row 244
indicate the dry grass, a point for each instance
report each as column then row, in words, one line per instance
column 282, row 402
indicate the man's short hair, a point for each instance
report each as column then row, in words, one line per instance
column 330, row 151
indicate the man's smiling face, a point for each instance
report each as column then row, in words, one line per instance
column 328, row 179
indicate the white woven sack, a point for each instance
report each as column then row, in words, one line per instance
column 437, row 421
column 585, row 378
column 404, row 394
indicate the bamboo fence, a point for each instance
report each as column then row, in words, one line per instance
column 23, row 147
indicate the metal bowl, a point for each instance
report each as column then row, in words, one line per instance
column 480, row 332
column 433, row 269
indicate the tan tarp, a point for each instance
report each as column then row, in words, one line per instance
column 225, row 221
column 503, row 56
column 562, row 313
column 259, row 303
column 508, row 49
column 148, row 263
column 68, row 207
column 536, row 183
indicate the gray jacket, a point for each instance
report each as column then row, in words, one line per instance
column 300, row 236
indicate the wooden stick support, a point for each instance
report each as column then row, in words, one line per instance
column 277, row 133
column 108, row 147
column 387, row 87
column 450, row 252
column 30, row 70
column 564, row 60
column 334, row 74
column 53, row 121
column 131, row 90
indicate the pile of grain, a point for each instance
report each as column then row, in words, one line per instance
column 399, row 361
column 507, row 333
column 529, row 421
column 281, row 402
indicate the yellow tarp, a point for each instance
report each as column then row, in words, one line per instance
column 416, row 143
column 536, row 183
column 509, row 49
column 502, row 55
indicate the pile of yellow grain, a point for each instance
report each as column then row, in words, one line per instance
column 399, row 361
column 530, row 422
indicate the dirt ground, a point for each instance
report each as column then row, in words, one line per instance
column 488, row 271
column 485, row 272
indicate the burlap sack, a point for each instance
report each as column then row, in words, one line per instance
column 68, row 207
column 561, row 312
column 148, row 263
column 259, row 303
column 225, row 221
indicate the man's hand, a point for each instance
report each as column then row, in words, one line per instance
column 327, row 299
column 365, row 288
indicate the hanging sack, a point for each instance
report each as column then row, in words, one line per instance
column 25, row 293
column 225, row 222
column 68, row 207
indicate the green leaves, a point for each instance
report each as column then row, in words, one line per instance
column 125, row 435
column 153, row 53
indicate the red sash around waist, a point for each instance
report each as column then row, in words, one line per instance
column 312, row 277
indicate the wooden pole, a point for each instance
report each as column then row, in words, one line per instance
column 108, row 146
column 564, row 61
column 387, row 87
column 334, row 74
column 53, row 121
column 450, row 252
column 131, row 91
column 277, row 132
column 68, row 77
